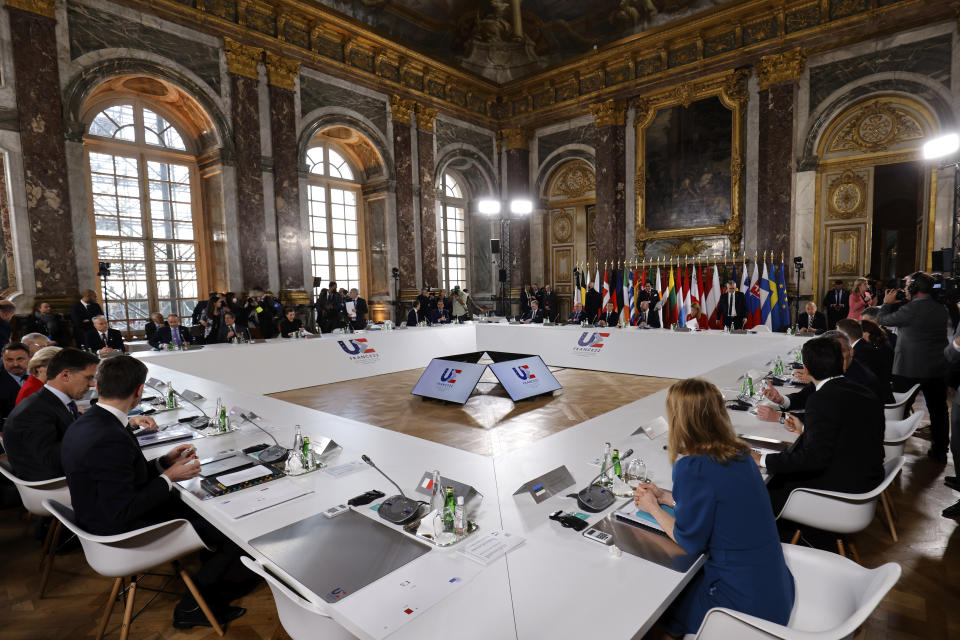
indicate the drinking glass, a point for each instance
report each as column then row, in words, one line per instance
column 635, row 473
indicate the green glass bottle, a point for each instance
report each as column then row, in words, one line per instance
column 617, row 471
column 449, row 508
column 306, row 451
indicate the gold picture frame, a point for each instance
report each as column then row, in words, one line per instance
column 731, row 89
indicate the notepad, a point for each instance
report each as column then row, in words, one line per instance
column 244, row 475
column 630, row 513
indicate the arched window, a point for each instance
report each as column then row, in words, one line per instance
column 143, row 201
column 333, row 195
column 453, row 257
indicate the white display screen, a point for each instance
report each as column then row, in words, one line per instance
column 525, row 377
column 449, row 380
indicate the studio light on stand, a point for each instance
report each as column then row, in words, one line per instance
column 516, row 208
column 945, row 147
column 103, row 272
column 395, row 274
column 798, row 267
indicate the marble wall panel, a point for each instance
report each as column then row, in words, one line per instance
column 518, row 185
column 315, row 93
column 428, row 209
column 775, row 168
column 249, row 177
column 92, row 30
column 406, row 240
column 6, row 238
column 481, row 279
column 44, row 154
column 286, row 187
column 377, row 241
column 930, row 57
column 451, row 133
column 609, row 221
column 547, row 144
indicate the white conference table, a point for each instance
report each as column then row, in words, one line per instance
column 537, row 589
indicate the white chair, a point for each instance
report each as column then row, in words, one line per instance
column 834, row 596
column 838, row 512
column 896, row 434
column 33, row 494
column 301, row 619
column 132, row 553
column 901, row 401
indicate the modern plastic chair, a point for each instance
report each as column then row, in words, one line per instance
column 834, row 596
column 838, row 512
column 901, row 400
column 302, row 619
column 33, row 494
column 896, row 434
column 133, row 553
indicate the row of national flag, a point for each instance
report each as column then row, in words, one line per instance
column 677, row 288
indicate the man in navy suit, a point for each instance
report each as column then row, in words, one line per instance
column 104, row 340
column 535, row 315
column 16, row 355
column 440, row 315
column 733, row 307
column 82, row 314
column 114, row 489
column 35, row 428
column 415, row 315
column 577, row 315
column 173, row 334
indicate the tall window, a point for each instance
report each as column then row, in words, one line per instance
column 453, row 259
column 334, row 218
column 142, row 198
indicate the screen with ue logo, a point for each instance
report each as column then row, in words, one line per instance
column 449, row 380
column 525, row 377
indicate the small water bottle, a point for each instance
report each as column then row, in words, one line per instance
column 458, row 518
column 171, row 396
column 298, row 441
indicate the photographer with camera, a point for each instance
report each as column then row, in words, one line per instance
column 458, row 300
column 919, row 359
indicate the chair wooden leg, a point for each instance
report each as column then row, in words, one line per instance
column 840, row 548
column 128, row 610
column 46, row 543
column 107, row 610
column 795, row 537
column 886, row 510
column 199, row 598
column 52, row 553
column 853, row 552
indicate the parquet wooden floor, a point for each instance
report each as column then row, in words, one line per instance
column 924, row 605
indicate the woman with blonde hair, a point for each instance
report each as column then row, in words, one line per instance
column 860, row 298
column 37, row 368
column 721, row 507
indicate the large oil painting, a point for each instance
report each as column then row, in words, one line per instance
column 688, row 153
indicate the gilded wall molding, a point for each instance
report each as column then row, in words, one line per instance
column 847, row 197
column 609, row 113
column 426, row 118
column 731, row 90
column 780, row 68
column 43, row 8
column 242, row 59
column 515, row 138
column 401, row 109
column 282, row 72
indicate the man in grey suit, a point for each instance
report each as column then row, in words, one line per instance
column 919, row 357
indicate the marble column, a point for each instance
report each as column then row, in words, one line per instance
column 517, row 145
column 281, row 76
column 777, row 77
column 428, row 197
column 610, row 221
column 34, row 47
column 242, row 62
column 403, row 163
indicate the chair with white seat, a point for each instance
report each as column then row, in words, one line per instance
column 834, row 596
column 901, row 401
column 301, row 618
column 33, row 493
column 838, row 512
column 896, row 434
column 133, row 553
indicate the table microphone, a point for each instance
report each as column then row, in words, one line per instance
column 272, row 454
column 594, row 497
column 198, row 422
column 397, row 509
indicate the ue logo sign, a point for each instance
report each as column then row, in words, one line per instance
column 359, row 350
column 449, row 375
column 590, row 343
column 523, row 372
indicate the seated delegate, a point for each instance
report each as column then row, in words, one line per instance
column 609, row 317
column 647, row 317
column 37, row 368
column 440, row 315
column 577, row 315
column 103, row 340
column 172, row 333
column 721, row 508
column 535, row 315
column 290, row 324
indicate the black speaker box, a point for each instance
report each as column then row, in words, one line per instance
column 502, row 275
column 494, row 245
column 942, row 260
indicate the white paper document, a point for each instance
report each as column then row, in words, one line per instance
column 244, row 475
column 243, row 503
column 487, row 548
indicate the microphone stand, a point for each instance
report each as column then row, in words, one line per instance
column 398, row 509
column 594, row 497
column 272, row 454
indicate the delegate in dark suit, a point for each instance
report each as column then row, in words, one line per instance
column 81, row 317
column 651, row 317
column 576, row 317
column 918, row 358
column 9, row 390
column 226, row 332
column 33, row 433
column 361, row 310
column 611, row 318
column 855, row 373
column 93, row 340
column 414, row 318
column 440, row 316
column 878, row 360
column 817, row 322
column 591, row 307
column 534, row 316
column 837, row 304
column 549, row 305
column 165, row 335
column 733, row 309
column 840, row 449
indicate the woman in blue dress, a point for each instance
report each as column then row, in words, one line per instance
column 722, row 508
